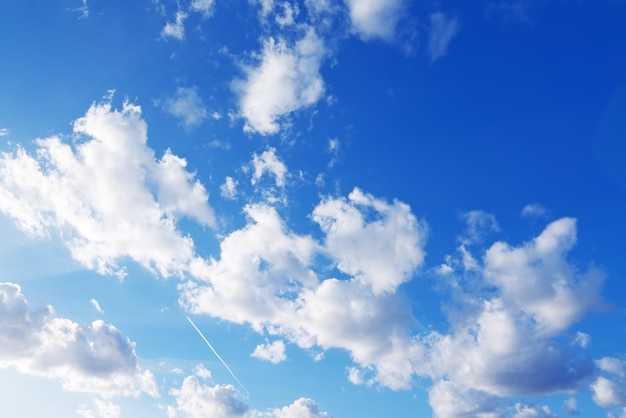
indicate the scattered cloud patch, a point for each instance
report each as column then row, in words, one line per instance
column 96, row 305
column 92, row 358
column 442, row 30
column 4, row 132
column 268, row 162
column 528, row 411
column 274, row 352
column 229, row 188
column 205, row 7
column 570, row 406
column 201, row 371
column 187, row 106
column 534, row 210
column 286, row 79
column 175, row 29
column 582, row 339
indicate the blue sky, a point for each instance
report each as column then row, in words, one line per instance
column 372, row 208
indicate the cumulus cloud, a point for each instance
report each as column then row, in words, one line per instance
column 372, row 19
column 301, row 408
column 201, row 371
column 195, row 400
column 93, row 358
column 286, row 79
column 506, row 330
column 268, row 162
column 186, row 105
column 451, row 400
column 265, row 277
column 274, row 352
column 442, row 30
column 107, row 196
column 175, row 29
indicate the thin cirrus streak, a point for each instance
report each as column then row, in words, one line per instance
column 220, row 358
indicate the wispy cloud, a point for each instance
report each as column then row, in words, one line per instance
column 187, row 105
column 442, row 30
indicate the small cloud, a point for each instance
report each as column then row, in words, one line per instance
column 582, row 339
column 274, row 352
column 534, row 210
column 4, row 131
column 177, row 370
column 175, row 29
column 96, row 305
column 571, row 407
column 216, row 115
column 201, row 371
column 269, row 163
column 442, row 30
column 205, row 7
column 187, row 106
column 355, row 375
column 216, row 143
column 333, row 149
column 478, row 225
column 229, row 188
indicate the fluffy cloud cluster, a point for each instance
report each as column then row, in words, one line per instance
column 93, row 358
column 107, row 196
column 286, row 79
column 196, row 400
column 505, row 333
column 266, row 277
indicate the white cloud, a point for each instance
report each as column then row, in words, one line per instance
column 93, row 358
column 611, row 365
column 570, row 406
column 607, row 392
column 301, row 408
column 107, row 409
column 286, row 79
column 204, row 7
column 4, row 132
column 195, row 400
column 290, row 12
column 96, row 305
column 534, row 210
column 382, row 253
column 175, row 29
column 478, row 225
column 187, row 106
column 107, row 196
column 375, row 18
column 450, row 400
column 442, row 30
column 274, row 352
column 229, row 188
column 265, row 278
column 509, row 317
column 582, row 339
column 526, row 411
column 201, row 371
column 269, row 163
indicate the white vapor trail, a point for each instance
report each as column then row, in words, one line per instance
column 219, row 357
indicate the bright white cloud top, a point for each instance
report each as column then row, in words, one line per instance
column 349, row 222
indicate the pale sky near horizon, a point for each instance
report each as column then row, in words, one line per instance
column 369, row 208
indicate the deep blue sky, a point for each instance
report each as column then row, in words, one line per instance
column 370, row 208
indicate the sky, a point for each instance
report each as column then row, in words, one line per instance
column 312, row 208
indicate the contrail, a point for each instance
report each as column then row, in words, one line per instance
column 220, row 358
